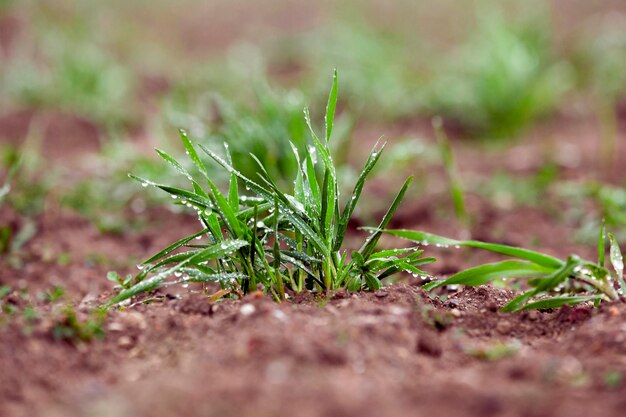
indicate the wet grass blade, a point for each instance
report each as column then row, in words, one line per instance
column 556, row 302
column 526, row 254
column 331, row 106
column 370, row 244
column 617, row 260
column 342, row 225
column 174, row 246
column 483, row 274
column 176, row 192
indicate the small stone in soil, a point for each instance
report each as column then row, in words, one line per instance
column 125, row 342
column 247, row 309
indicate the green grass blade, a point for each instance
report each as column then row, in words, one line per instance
column 371, row 242
column 311, row 177
column 456, row 188
column 174, row 246
column 212, row 252
column 617, row 260
column 518, row 302
column 226, row 212
column 191, row 151
column 483, row 274
column 395, row 252
column 556, row 302
column 176, row 192
column 342, row 224
column 428, row 239
column 331, row 106
column 602, row 244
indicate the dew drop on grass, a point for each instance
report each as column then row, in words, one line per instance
column 173, row 197
column 178, row 274
column 140, row 267
column 144, row 184
column 198, row 237
column 260, row 224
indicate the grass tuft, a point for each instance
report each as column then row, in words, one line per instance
column 255, row 234
column 553, row 282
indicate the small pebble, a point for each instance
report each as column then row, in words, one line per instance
column 125, row 342
column 456, row 312
column 247, row 309
column 115, row 327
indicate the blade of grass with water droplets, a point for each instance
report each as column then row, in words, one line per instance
column 201, row 201
column 483, row 274
column 342, row 224
column 371, row 242
column 191, row 151
column 429, row 238
column 331, row 106
column 617, row 260
column 560, row 301
column 174, row 246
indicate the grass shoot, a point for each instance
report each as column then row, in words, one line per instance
column 270, row 238
column 553, row 282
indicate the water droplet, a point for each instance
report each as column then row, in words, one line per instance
column 178, row 274
column 173, row 197
column 144, row 184
column 140, row 267
column 198, row 237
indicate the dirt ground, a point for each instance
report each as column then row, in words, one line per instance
column 395, row 352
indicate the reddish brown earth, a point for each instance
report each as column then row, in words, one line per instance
column 395, row 352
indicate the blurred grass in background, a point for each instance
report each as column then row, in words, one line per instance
column 239, row 71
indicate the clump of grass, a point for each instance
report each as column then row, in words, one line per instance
column 270, row 238
column 608, row 204
column 553, row 282
column 69, row 327
column 502, row 79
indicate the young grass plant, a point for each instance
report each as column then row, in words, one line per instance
column 270, row 238
column 553, row 282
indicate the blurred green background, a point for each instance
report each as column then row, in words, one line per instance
column 87, row 88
